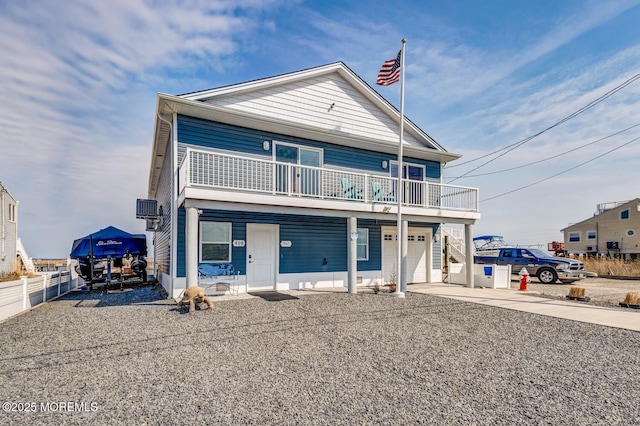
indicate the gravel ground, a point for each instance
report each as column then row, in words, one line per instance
column 320, row 358
column 602, row 291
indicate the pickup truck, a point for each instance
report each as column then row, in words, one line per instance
column 539, row 263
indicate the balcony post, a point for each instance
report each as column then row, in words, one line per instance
column 468, row 244
column 192, row 247
column 403, row 262
column 352, row 254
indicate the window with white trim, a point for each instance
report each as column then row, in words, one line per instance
column 591, row 235
column 624, row 214
column 630, row 232
column 574, row 237
column 215, row 242
column 12, row 212
column 363, row 244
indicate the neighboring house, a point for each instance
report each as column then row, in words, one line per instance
column 277, row 176
column 614, row 231
column 8, row 230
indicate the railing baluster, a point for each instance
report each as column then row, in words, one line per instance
column 217, row 170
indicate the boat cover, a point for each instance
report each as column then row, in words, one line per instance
column 107, row 242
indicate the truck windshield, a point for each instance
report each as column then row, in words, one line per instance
column 540, row 253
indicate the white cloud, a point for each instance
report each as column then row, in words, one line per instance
column 72, row 76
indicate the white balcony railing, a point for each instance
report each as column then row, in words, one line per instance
column 223, row 171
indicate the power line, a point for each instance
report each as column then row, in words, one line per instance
column 521, row 142
column 562, row 172
column 554, row 156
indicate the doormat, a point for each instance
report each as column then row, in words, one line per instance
column 273, row 296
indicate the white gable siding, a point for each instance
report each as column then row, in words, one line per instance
column 308, row 102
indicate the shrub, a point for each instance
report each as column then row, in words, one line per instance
column 604, row 267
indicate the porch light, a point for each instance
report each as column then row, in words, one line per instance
column 265, row 145
column 384, row 164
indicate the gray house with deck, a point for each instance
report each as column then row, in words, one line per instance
column 276, row 176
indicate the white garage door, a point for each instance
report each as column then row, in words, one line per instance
column 417, row 254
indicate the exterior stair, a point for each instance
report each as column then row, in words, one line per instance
column 21, row 253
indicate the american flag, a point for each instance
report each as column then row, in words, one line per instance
column 390, row 71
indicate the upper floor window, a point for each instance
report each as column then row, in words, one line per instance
column 215, row 242
column 591, row 235
column 12, row 212
column 574, row 237
column 624, row 214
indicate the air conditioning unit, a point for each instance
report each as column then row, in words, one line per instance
column 146, row 209
column 591, row 248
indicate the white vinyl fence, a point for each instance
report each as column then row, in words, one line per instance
column 23, row 294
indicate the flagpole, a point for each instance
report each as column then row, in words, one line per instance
column 400, row 188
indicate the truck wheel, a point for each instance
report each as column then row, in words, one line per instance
column 547, row 276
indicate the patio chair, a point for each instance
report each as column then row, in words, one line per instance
column 379, row 194
column 210, row 274
column 350, row 191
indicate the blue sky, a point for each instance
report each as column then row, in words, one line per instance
column 78, row 85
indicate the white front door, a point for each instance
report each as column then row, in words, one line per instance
column 418, row 254
column 262, row 256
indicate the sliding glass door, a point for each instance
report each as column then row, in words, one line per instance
column 299, row 173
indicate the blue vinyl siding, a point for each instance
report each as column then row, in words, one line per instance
column 196, row 131
column 162, row 236
column 313, row 239
column 375, row 246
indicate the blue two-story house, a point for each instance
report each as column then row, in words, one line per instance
column 276, row 176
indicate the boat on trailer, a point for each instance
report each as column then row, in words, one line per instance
column 110, row 247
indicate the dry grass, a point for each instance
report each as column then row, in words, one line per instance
column 578, row 292
column 617, row 267
column 14, row 275
column 632, row 298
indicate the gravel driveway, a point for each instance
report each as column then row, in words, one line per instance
column 317, row 358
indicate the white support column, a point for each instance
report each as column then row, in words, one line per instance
column 468, row 246
column 192, row 246
column 405, row 250
column 44, row 288
column 352, row 254
column 25, row 293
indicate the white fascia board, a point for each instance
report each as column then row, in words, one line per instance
column 159, row 146
column 263, row 82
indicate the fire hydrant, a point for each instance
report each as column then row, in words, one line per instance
column 524, row 278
